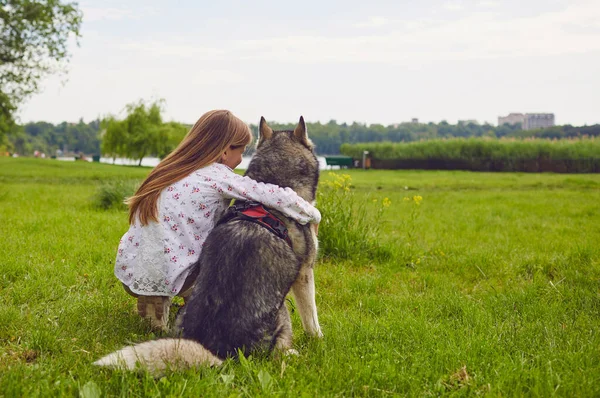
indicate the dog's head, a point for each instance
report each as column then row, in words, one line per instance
column 286, row 158
column 266, row 133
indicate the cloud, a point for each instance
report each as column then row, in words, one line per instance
column 92, row 14
column 351, row 62
column 475, row 35
column 95, row 14
column 452, row 6
column 488, row 4
column 372, row 22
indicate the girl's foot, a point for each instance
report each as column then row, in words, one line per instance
column 155, row 308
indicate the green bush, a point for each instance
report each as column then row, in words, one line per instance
column 111, row 195
column 348, row 230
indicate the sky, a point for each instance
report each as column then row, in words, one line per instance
column 345, row 60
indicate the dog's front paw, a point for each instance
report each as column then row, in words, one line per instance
column 316, row 333
column 291, row 352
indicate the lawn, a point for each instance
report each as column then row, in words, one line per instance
column 490, row 286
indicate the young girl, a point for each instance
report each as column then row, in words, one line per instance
column 178, row 204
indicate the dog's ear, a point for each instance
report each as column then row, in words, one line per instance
column 301, row 134
column 264, row 131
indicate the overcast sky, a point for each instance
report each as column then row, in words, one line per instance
column 348, row 60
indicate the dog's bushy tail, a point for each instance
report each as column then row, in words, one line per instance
column 158, row 355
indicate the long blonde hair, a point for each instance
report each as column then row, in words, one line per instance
column 205, row 143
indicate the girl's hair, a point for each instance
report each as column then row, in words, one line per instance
column 213, row 133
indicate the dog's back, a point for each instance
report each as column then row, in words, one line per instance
column 245, row 274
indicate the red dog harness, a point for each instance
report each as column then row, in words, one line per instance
column 256, row 212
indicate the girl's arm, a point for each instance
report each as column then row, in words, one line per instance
column 285, row 200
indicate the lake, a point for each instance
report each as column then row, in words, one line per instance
column 151, row 162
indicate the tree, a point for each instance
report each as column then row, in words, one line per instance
column 175, row 133
column 34, row 39
column 145, row 135
column 48, row 138
column 113, row 137
column 142, row 133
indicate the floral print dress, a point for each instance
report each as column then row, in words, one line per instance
column 155, row 259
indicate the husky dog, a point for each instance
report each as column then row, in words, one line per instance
column 245, row 273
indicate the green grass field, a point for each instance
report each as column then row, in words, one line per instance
column 492, row 288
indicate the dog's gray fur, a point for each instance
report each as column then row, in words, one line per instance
column 245, row 273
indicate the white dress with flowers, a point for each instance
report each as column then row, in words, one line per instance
column 155, row 259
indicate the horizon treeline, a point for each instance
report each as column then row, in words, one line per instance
column 85, row 138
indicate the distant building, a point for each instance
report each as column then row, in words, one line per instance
column 467, row 122
column 414, row 120
column 512, row 118
column 538, row 121
column 529, row 121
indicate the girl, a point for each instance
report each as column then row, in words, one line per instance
column 178, row 204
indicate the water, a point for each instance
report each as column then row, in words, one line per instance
column 152, row 162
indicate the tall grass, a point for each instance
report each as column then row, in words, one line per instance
column 566, row 155
column 348, row 230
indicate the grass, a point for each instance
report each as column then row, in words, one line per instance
column 493, row 288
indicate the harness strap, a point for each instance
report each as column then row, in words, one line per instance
column 256, row 212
